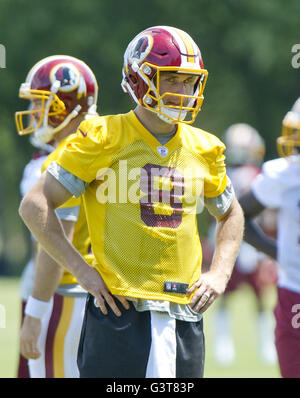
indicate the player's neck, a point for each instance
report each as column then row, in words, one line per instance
column 153, row 123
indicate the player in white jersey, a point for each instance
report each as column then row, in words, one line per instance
column 31, row 174
column 278, row 187
column 62, row 91
column 245, row 151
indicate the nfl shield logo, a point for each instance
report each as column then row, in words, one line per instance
column 163, row 151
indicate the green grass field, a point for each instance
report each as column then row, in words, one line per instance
column 247, row 363
column 241, row 305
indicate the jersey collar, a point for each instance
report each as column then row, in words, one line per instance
column 152, row 142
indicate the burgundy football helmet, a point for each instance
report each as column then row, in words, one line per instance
column 59, row 88
column 163, row 49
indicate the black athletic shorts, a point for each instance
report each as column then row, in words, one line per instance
column 139, row 344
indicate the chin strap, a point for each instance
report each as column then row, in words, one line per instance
column 168, row 115
column 40, row 145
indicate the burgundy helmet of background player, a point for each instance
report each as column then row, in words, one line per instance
column 59, row 88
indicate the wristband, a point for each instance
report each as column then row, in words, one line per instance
column 36, row 308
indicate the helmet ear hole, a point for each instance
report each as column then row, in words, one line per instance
column 133, row 79
column 68, row 105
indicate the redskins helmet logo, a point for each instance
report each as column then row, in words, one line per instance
column 68, row 76
column 140, row 48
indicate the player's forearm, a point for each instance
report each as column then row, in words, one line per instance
column 228, row 238
column 41, row 219
column 47, row 276
column 256, row 238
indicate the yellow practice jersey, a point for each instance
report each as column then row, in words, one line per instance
column 81, row 239
column 141, row 202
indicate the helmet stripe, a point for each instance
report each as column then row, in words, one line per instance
column 188, row 43
column 174, row 33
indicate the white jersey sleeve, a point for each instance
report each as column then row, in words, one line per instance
column 31, row 174
column 268, row 186
column 279, row 186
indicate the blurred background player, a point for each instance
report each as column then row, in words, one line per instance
column 245, row 151
column 278, row 187
column 62, row 91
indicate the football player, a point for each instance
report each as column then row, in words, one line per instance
column 63, row 92
column 141, row 175
column 245, row 149
column 278, row 187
